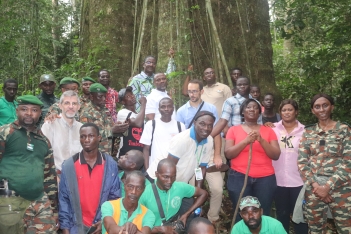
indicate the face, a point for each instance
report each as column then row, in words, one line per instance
column 209, row 76
column 160, row 82
column 166, row 177
column 288, row 113
column 194, row 92
column 28, row 115
column 104, row 78
column 124, row 162
column 129, row 99
column 98, row 99
column 166, row 108
column 86, row 86
column 268, row 102
column 234, row 75
column 72, row 86
column 134, row 187
column 69, row 107
column 255, row 92
column 243, row 86
column 251, row 112
column 48, row 87
column 10, row 91
column 252, row 217
column 202, row 228
column 149, row 65
column 203, row 126
column 89, row 139
column 322, row 108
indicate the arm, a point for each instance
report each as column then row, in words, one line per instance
column 219, row 127
column 150, row 116
column 232, row 150
column 217, row 159
column 138, row 121
column 111, row 226
column 50, row 180
column 65, row 214
column 145, row 139
column 272, row 148
column 173, row 159
column 146, row 154
column 199, row 183
column 303, row 161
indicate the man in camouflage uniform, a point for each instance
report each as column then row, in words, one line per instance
column 97, row 113
column 67, row 83
column 27, row 167
column 85, row 97
column 47, row 84
column 325, row 165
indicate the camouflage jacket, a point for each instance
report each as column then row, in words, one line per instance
column 326, row 154
column 16, row 151
column 55, row 109
column 101, row 117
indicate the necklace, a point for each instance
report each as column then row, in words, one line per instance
column 326, row 126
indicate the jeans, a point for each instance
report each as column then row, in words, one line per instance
column 263, row 188
column 285, row 199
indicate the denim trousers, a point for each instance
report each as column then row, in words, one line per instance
column 263, row 188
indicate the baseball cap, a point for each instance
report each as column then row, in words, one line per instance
column 249, row 201
column 47, row 77
column 123, row 91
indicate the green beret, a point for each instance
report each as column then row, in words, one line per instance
column 97, row 88
column 87, row 78
column 68, row 80
column 29, row 99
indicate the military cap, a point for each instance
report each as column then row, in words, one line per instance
column 87, row 78
column 47, row 77
column 29, row 99
column 68, row 80
column 123, row 91
column 249, row 201
column 97, row 88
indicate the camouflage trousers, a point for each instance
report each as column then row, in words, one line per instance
column 316, row 211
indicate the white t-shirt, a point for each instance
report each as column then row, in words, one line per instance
column 190, row 153
column 153, row 101
column 163, row 134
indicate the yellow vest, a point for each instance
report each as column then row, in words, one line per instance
column 138, row 220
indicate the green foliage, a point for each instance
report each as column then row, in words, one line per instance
column 319, row 60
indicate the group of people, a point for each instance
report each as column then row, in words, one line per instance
column 79, row 165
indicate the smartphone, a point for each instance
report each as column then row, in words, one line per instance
column 91, row 230
column 128, row 117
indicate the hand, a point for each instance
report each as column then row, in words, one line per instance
column 142, row 100
column 327, row 199
column 98, row 226
column 217, row 160
column 51, row 118
column 269, row 124
column 120, row 127
column 251, row 137
column 55, row 215
column 129, row 228
column 183, row 218
column 171, row 52
column 321, row 191
column 190, row 67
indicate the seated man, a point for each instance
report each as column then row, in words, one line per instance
column 126, row 215
column 171, row 194
column 253, row 220
column 133, row 160
column 88, row 179
column 201, row 225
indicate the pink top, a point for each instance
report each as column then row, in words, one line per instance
column 285, row 167
column 261, row 164
column 111, row 99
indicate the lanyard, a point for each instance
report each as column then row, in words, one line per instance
column 198, row 156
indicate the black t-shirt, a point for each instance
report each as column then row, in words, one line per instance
column 273, row 119
column 131, row 142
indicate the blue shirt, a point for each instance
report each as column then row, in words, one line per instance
column 186, row 112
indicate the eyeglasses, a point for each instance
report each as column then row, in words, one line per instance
column 193, row 91
column 149, row 63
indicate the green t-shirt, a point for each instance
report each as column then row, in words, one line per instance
column 107, row 210
column 171, row 200
column 123, row 191
column 7, row 111
column 269, row 225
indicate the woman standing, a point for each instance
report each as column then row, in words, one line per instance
column 325, row 165
column 261, row 181
column 289, row 183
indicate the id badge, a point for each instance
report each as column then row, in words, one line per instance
column 198, row 173
column 30, row 147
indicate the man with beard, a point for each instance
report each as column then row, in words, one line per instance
column 27, row 172
column 152, row 111
column 88, row 179
column 127, row 215
column 111, row 94
column 8, row 103
column 47, row 84
column 157, row 136
column 63, row 133
column 253, row 221
column 171, row 194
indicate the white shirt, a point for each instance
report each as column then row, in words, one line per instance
column 191, row 154
column 153, row 101
column 163, row 134
column 64, row 139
